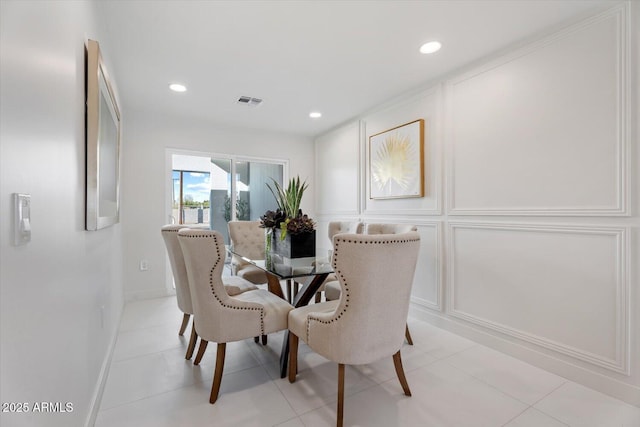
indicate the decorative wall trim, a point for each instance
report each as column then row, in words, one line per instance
column 336, row 213
column 438, row 263
column 331, row 212
column 622, row 15
column 620, row 363
column 569, row 368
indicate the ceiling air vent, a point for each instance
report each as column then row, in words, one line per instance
column 250, row 101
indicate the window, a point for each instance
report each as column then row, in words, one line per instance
column 213, row 189
column 191, row 197
column 242, row 194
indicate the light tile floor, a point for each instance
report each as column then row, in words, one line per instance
column 454, row 381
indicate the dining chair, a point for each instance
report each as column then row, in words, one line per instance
column 248, row 238
column 337, row 227
column 219, row 317
column 367, row 323
column 332, row 288
column 233, row 285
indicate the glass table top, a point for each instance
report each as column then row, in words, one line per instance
column 288, row 268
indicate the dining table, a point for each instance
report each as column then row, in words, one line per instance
column 310, row 272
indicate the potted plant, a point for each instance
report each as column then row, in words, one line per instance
column 290, row 233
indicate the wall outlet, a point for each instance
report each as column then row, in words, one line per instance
column 144, row 265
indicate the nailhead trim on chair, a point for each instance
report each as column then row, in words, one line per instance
column 346, row 285
column 213, row 291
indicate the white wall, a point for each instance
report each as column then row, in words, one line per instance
column 145, row 181
column 530, row 220
column 62, row 292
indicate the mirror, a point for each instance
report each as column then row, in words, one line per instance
column 102, row 144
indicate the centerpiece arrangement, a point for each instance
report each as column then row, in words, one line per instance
column 289, row 232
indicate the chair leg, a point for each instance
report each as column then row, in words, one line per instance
column 293, row 356
column 397, row 362
column 340, row 414
column 318, row 297
column 408, row 335
column 201, row 350
column 289, row 291
column 256, row 340
column 217, row 376
column 264, row 340
column 185, row 322
column 192, row 342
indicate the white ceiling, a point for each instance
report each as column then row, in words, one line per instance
column 338, row 57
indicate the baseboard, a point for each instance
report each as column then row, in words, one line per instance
column 594, row 380
column 94, row 406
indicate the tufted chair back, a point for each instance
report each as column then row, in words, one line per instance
column 176, row 259
column 204, row 255
column 389, row 228
column 247, row 237
column 219, row 317
column 341, row 227
column 369, row 321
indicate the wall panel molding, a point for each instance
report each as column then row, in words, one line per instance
column 333, row 152
column 538, row 57
column 436, row 302
column 620, row 325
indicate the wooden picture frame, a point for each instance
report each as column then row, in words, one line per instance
column 396, row 162
column 102, row 125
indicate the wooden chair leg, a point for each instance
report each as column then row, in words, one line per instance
column 217, row 376
column 192, row 342
column 318, row 297
column 397, row 362
column 264, row 340
column 340, row 414
column 293, row 357
column 185, row 322
column 408, row 335
column 201, row 350
column 256, row 340
column 289, row 291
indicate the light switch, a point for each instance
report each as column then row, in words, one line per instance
column 22, row 225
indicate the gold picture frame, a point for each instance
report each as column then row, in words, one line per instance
column 396, row 162
column 102, row 122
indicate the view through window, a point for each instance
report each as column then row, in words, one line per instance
column 216, row 190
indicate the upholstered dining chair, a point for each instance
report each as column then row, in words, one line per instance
column 233, row 285
column 338, row 227
column 332, row 288
column 248, row 238
column 219, row 317
column 367, row 323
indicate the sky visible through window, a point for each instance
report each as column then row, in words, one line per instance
column 197, row 186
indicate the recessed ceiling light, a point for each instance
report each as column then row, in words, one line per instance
column 315, row 114
column 176, row 87
column 430, row 47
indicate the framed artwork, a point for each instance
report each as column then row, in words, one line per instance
column 102, row 121
column 396, row 162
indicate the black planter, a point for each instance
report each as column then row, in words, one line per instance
column 294, row 246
